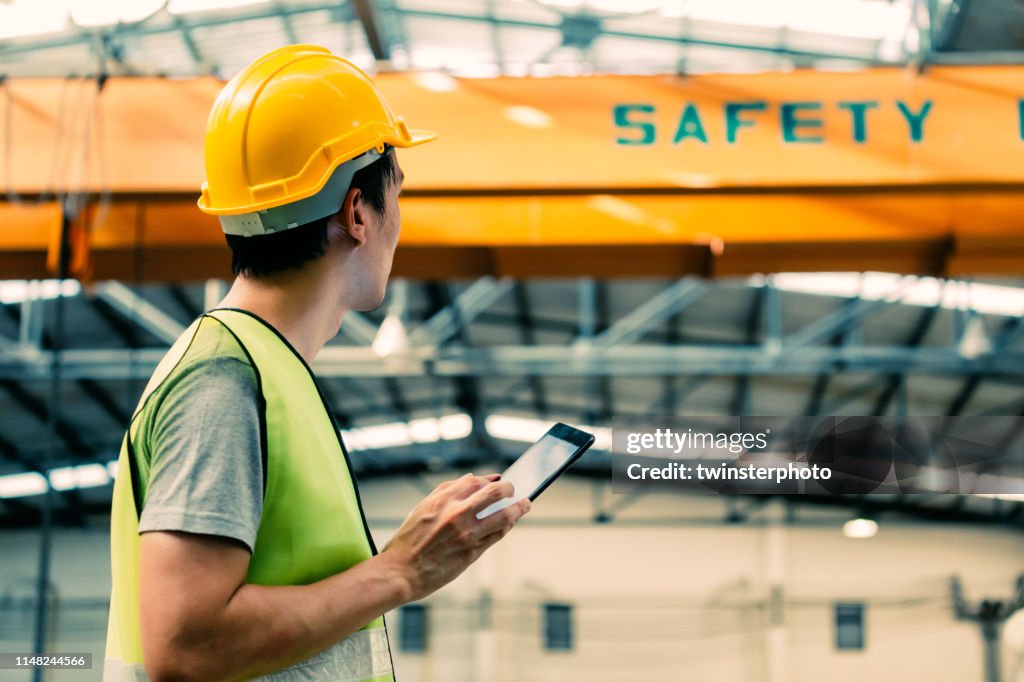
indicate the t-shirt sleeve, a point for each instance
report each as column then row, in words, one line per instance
column 206, row 466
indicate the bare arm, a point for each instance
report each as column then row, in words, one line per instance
column 201, row 621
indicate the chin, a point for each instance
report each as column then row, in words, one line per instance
column 370, row 303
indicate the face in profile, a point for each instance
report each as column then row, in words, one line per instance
column 373, row 258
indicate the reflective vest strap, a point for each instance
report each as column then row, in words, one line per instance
column 116, row 670
column 361, row 657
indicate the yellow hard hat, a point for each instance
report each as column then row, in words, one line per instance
column 296, row 123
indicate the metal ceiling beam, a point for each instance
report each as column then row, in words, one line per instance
column 130, row 334
column 468, row 397
column 447, row 321
column 953, row 24
column 896, row 382
column 368, row 406
column 759, row 310
column 359, row 328
column 68, row 433
column 341, row 418
column 1002, row 339
column 117, row 413
column 375, row 35
column 525, row 323
column 840, row 319
column 634, row 360
column 771, row 317
column 1010, row 57
column 821, row 383
column 184, row 301
column 675, row 39
column 666, row 303
column 34, row 45
column 604, row 383
column 378, row 42
column 9, row 348
column 140, row 311
column 194, row 53
column 31, row 321
column 1008, row 333
column 286, row 24
column 668, row 403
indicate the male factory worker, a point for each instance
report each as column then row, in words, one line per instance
column 239, row 546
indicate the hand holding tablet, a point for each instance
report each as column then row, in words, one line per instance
column 541, row 464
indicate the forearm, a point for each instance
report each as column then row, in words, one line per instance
column 263, row 628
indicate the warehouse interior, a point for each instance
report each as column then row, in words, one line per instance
column 676, row 208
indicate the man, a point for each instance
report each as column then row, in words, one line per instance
column 239, row 548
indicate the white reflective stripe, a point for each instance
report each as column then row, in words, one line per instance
column 115, row 670
column 362, row 656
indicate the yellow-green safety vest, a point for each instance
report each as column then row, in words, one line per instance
column 312, row 526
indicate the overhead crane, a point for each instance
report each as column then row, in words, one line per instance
column 542, row 176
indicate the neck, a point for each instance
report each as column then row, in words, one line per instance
column 302, row 305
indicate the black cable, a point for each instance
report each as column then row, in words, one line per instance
column 68, row 213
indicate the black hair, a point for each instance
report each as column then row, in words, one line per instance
column 270, row 254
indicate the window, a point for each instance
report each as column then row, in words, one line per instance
column 557, row 627
column 412, row 628
column 849, row 627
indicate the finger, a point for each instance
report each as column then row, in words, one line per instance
column 444, row 485
column 501, row 519
column 489, row 494
column 499, row 532
column 492, row 477
column 465, row 486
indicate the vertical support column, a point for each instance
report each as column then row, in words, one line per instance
column 991, row 623
column 776, row 638
column 30, row 331
column 586, row 310
column 586, row 326
column 484, row 649
column 213, row 291
column 70, row 212
column 771, row 319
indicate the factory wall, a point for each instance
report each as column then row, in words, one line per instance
column 666, row 591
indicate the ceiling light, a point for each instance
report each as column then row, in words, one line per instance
column 529, row 430
column 17, row 290
column 994, row 299
column 975, row 341
column 1007, row 497
column 187, row 6
column 32, row 17
column 397, row 434
column 529, row 117
column 391, row 338
column 88, row 13
column 860, row 528
column 84, row 476
column 436, row 82
column 22, row 485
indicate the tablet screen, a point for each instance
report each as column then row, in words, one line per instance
column 532, row 469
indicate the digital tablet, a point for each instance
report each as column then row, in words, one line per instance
column 541, row 464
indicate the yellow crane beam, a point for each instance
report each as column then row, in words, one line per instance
column 881, row 169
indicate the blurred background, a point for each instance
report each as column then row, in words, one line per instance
column 634, row 208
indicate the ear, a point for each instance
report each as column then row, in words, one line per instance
column 353, row 217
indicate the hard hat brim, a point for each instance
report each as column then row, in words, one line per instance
column 418, row 137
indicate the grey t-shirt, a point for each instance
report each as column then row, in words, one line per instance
column 203, row 444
